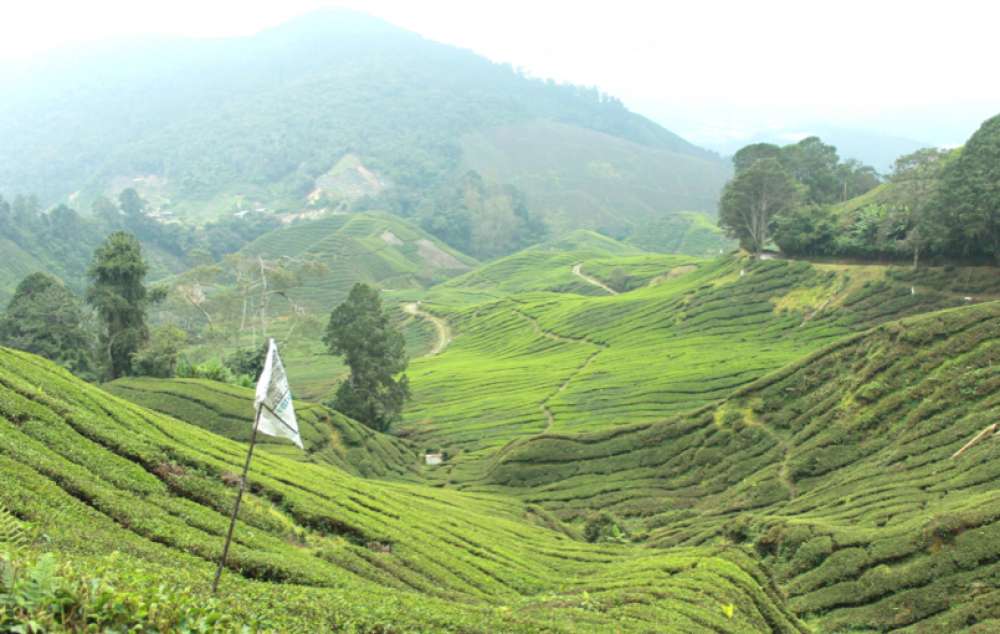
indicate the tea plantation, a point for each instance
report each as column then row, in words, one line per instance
column 723, row 445
column 836, row 470
column 320, row 549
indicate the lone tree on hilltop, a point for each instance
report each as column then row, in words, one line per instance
column 751, row 201
column 374, row 350
column 120, row 298
column 45, row 318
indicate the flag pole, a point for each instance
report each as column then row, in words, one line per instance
column 239, row 498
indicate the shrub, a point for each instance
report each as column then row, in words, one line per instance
column 40, row 594
column 603, row 527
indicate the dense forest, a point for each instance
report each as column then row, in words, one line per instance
column 61, row 240
column 263, row 119
column 936, row 203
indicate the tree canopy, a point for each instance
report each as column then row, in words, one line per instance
column 970, row 194
column 118, row 294
column 939, row 203
column 45, row 318
column 753, row 199
column 374, row 349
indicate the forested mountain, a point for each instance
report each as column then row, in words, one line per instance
column 205, row 127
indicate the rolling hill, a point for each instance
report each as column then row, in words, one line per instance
column 326, row 110
column 837, row 469
column 319, row 549
column 523, row 363
column 328, row 256
column 329, row 437
column 772, row 439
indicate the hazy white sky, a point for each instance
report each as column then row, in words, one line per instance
column 709, row 69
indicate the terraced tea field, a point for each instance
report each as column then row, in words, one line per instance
column 329, row 437
column 773, row 443
column 837, row 470
column 341, row 250
column 319, row 549
column 536, row 361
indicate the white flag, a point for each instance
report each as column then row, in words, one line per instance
column 274, row 400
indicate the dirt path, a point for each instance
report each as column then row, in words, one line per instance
column 592, row 280
column 550, row 418
column 440, row 325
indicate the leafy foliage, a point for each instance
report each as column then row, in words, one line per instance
column 120, row 298
column 753, row 200
column 375, row 351
column 603, row 527
column 61, row 241
column 970, row 195
column 45, row 318
column 482, row 220
column 158, row 357
column 38, row 594
column 939, row 204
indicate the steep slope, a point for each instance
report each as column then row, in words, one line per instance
column 329, row 436
column 838, row 469
column 111, row 484
column 266, row 120
column 579, row 178
column 378, row 249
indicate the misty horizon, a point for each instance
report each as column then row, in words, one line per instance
column 702, row 110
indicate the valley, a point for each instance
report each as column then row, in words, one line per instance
column 324, row 325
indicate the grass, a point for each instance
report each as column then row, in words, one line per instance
column 320, row 549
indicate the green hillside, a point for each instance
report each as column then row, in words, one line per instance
column 526, row 363
column 329, row 436
column 378, row 249
column 580, row 178
column 338, row 111
column 325, row 111
column 543, row 267
column 836, row 469
column 318, row 549
column 332, row 254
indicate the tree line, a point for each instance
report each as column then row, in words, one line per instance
column 113, row 339
column 62, row 239
column 801, row 198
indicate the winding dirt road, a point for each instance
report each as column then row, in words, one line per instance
column 440, row 325
column 592, row 280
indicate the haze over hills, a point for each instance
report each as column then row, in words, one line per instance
column 554, row 368
column 879, row 150
column 205, row 127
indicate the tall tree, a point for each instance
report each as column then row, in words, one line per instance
column 970, row 194
column 46, row 319
column 118, row 294
column 855, row 178
column 374, row 350
column 752, row 200
column 750, row 154
column 916, row 178
column 814, row 164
